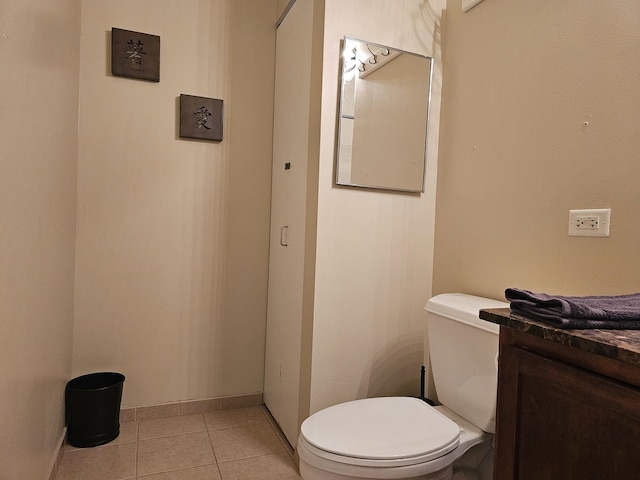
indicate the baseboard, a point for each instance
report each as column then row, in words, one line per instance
column 190, row 407
column 57, row 455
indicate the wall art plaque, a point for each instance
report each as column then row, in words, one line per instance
column 135, row 55
column 201, row 118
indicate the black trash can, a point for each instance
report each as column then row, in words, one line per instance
column 92, row 408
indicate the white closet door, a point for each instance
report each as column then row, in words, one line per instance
column 288, row 215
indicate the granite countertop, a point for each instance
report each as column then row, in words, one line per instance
column 622, row 345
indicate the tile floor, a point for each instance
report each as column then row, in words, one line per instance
column 240, row 444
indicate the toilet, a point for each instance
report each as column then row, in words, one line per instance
column 406, row 438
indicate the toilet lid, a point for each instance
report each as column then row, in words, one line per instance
column 387, row 428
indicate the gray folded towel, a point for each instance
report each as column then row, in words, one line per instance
column 620, row 312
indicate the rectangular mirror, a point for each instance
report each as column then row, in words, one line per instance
column 384, row 117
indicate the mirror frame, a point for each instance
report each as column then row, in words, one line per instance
column 340, row 116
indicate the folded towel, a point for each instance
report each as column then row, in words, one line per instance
column 620, row 312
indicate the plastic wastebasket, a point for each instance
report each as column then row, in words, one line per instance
column 92, row 408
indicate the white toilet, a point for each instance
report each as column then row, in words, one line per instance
column 405, row 438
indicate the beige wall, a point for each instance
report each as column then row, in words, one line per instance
column 374, row 248
column 172, row 242
column 38, row 155
column 540, row 115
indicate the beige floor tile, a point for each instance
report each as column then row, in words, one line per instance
column 157, row 455
column 242, row 442
column 266, row 467
column 128, row 433
column 234, row 418
column 166, row 427
column 207, row 472
column 278, row 432
column 107, row 462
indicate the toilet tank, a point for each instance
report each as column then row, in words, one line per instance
column 464, row 352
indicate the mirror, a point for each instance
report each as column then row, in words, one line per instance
column 384, row 116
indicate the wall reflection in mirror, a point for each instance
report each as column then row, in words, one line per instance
column 384, row 116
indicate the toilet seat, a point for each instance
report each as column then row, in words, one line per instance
column 380, row 432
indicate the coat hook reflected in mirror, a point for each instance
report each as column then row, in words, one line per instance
column 373, row 59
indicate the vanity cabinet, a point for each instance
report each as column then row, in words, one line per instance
column 568, row 403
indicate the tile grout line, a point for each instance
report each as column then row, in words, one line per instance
column 135, row 465
column 215, row 457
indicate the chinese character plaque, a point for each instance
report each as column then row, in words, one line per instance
column 201, row 118
column 135, row 55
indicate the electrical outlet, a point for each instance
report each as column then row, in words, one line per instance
column 589, row 223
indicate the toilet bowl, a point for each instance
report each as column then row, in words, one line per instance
column 384, row 438
column 404, row 437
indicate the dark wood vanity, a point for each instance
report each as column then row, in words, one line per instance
column 568, row 402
